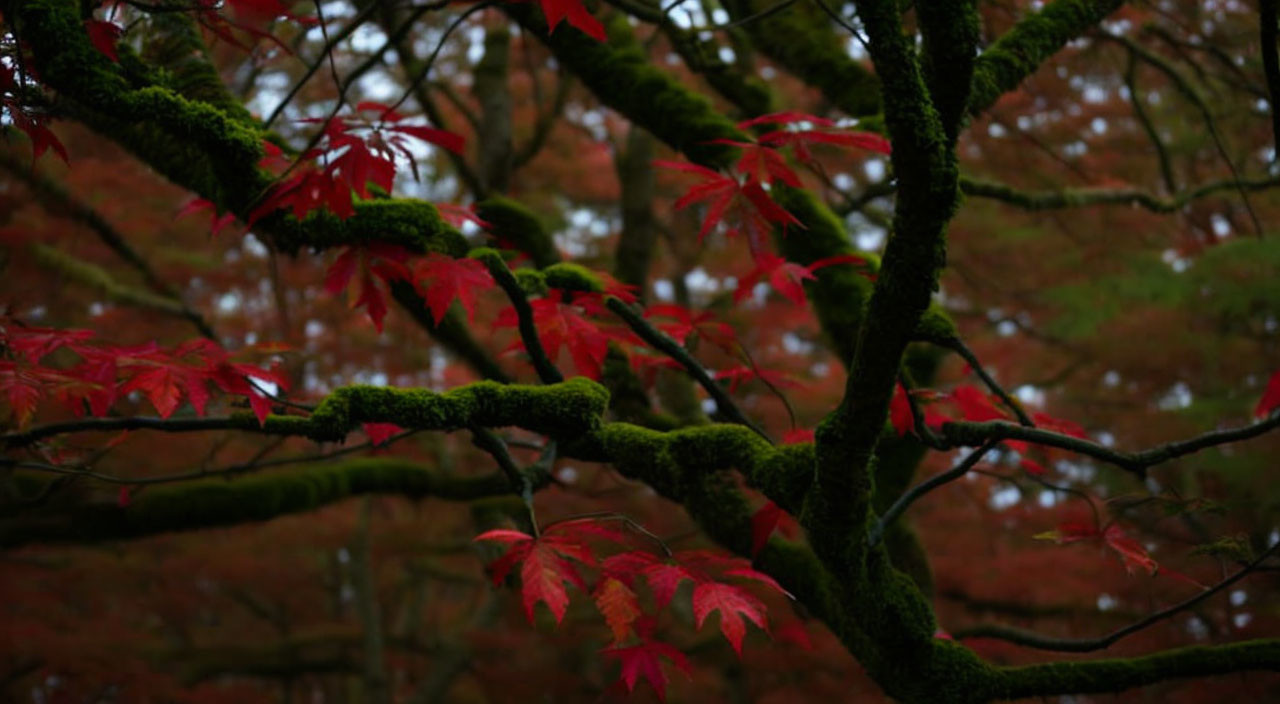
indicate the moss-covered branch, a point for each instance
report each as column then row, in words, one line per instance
column 1020, row 51
column 802, row 40
column 1118, row 674
column 566, row 410
column 621, row 76
column 214, row 503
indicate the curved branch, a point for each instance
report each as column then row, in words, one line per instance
column 221, row 503
column 965, row 433
column 1086, row 645
column 664, row 344
column 1078, row 197
column 1114, row 675
column 569, row 409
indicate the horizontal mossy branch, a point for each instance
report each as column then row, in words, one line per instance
column 973, row 434
column 1114, row 675
column 668, row 461
column 567, row 410
column 61, row 264
column 213, row 503
column 1083, row 197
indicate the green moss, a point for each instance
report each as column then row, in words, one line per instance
column 802, row 40
column 566, row 410
column 204, row 146
column 572, row 277
column 1020, row 51
column 512, row 222
column 669, row 460
column 628, row 398
column 175, row 46
column 532, row 282
column 412, row 224
column 619, row 74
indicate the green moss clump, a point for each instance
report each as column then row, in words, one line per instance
column 668, row 461
column 573, row 277
column 512, row 222
column 566, row 410
column 532, row 282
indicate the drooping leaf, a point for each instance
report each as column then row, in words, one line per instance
column 618, row 604
column 104, row 36
column 645, row 660
column 380, row 433
column 1270, row 398
column 577, row 15
column 441, row 280
column 735, row 605
column 763, row 523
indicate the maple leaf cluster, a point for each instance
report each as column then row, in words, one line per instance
column 740, row 202
column 354, row 151
column 106, row 372
column 556, row 558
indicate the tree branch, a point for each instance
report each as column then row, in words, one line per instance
column 965, row 433
column 1086, row 645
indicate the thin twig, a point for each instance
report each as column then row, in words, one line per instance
column 1085, row 645
column 957, row 345
column 663, row 343
column 916, row 492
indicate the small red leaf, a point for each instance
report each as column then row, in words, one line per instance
column 763, row 522
column 441, row 279
column 645, row 660
column 380, row 433
column 735, row 606
column 104, row 36
column 1270, row 398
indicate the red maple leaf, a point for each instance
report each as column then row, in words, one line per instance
column 900, row 411
column 974, row 405
column 618, row 604
column 22, row 391
column 1270, row 398
column 35, row 343
column 547, row 562
column 456, row 215
column 563, row 325
column 216, row 222
column 376, row 259
column 441, row 279
column 380, row 433
column 1131, row 552
column 767, row 519
column 735, row 605
column 572, row 10
column 356, row 150
column 800, row 139
column 645, row 660
column 1032, row 467
column 741, row 373
column 785, row 277
column 750, row 209
column 703, row 325
column 104, row 36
